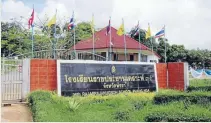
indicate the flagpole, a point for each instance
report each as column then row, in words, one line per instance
column 54, row 52
column 124, row 40
column 74, row 38
column 139, row 39
column 165, row 42
column 32, row 41
column 93, row 36
column 110, row 43
column 152, row 44
column 32, row 37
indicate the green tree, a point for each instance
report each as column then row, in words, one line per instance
column 161, row 49
column 177, row 53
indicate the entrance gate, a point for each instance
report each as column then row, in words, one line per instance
column 11, row 80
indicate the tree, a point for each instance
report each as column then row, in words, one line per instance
column 161, row 49
column 82, row 32
column 14, row 39
column 177, row 53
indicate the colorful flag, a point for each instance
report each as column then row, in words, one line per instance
column 121, row 30
column 92, row 25
column 31, row 19
column 148, row 33
column 71, row 24
column 160, row 33
column 108, row 27
column 52, row 21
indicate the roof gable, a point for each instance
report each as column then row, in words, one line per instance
column 102, row 41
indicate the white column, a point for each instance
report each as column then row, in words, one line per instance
column 186, row 76
column 107, row 56
column 139, row 57
column 26, row 78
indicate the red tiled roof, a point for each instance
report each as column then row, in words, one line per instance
column 102, row 41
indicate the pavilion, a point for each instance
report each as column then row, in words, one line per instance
column 102, row 46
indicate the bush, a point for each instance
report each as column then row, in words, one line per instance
column 193, row 97
column 121, row 115
column 200, row 88
column 179, row 111
column 175, row 117
column 39, row 96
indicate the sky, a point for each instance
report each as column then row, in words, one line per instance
column 187, row 22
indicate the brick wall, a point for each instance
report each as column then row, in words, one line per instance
column 162, row 75
column 43, row 74
column 176, row 75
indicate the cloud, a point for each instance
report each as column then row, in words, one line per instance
column 187, row 22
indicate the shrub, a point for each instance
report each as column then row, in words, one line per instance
column 39, row 96
column 121, row 115
column 175, row 117
column 193, row 97
column 200, row 88
column 73, row 105
column 179, row 111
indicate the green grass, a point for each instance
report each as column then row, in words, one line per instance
column 136, row 107
column 200, row 85
column 200, row 82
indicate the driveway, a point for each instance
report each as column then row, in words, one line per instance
column 16, row 113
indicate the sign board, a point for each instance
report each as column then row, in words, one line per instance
column 85, row 76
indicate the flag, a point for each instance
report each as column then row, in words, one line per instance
column 148, row 33
column 71, row 24
column 136, row 32
column 160, row 33
column 92, row 25
column 121, row 30
column 52, row 21
column 108, row 27
column 31, row 19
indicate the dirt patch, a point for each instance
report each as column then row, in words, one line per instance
column 16, row 113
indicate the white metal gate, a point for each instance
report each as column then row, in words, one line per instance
column 11, row 80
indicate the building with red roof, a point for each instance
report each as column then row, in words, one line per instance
column 102, row 47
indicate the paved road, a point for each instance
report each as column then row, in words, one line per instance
column 16, row 113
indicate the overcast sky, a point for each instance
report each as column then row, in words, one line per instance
column 187, row 22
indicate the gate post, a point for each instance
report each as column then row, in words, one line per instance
column 186, row 76
column 26, row 78
column 3, row 64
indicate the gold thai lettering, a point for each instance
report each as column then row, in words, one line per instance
column 90, row 79
column 102, row 79
column 141, row 77
column 85, row 79
column 94, row 79
column 66, row 80
column 81, row 78
column 74, row 79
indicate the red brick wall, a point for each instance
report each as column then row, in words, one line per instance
column 176, row 75
column 43, row 74
column 162, row 75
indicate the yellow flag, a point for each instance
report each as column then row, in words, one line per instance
column 148, row 33
column 121, row 30
column 52, row 21
column 92, row 24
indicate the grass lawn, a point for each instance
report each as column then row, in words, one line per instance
column 126, row 106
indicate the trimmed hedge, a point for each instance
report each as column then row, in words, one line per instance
column 176, row 117
column 197, row 97
column 200, row 88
